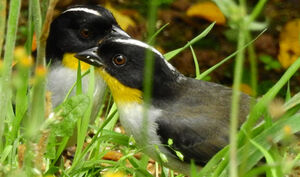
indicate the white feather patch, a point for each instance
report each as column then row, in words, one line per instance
column 144, row 45
column 138, row 43
column 82, row 9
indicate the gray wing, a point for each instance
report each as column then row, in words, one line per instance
column 200, row 124
column 195, row 140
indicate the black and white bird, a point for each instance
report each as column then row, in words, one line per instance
column 193, row 113
column 76, row 29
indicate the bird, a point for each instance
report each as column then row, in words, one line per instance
column 78, row 28
column 194, row 114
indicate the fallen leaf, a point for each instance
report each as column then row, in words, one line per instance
column 246, row 89
column 21, row 154
column 208, row 11
column 289, row 43
column 123, row 20
column 112, row 155
column 114, row 174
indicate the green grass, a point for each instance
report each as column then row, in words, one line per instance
column 5, row 90
column 31, row 145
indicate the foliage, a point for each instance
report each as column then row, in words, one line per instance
column 33, row 139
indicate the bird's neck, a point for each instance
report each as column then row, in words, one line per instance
column 167, row 89
column 121, row 93
column 53, row 53
column 69, row 61
column 162, row 90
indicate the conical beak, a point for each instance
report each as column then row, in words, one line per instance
column 90, row 56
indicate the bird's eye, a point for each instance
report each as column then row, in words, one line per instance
column 85, row 33
column 119, row 60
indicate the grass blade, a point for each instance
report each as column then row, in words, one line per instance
column 195, row 62
column 38, row 95
column 220, row 165
column 5, row 90
column 207, row 72
column 156, row 33
column 267, row 155
column 83, row 124
column 292, row 102
column 24, row 64
column 2, row 23
column 173, row 53
column 260, row 107
column 7, row 150
column 254, row 155
column 234, row 116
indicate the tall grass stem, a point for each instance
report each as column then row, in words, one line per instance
column 149, row 63
column 5, row 90
column 253, row 66
column 39, row 88
column 2, row 23
column 257, row 9
column 238, row 72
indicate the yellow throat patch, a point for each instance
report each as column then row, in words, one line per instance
column 70, row 61
column 121, row 93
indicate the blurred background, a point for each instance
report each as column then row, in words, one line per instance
column 275, row 50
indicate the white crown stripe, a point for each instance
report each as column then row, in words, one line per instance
column 144, row 45
column 138, row 43
column 90, row 11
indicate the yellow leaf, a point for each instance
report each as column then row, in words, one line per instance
column 113, row 155
column 289, row 43
column 246, row 89
column 114, row 174
column 124, row 21
column 207, row 10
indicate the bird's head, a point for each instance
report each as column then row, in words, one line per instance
column 121, row 63
column 78, row 28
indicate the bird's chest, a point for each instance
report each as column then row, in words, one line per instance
column 136, row 124
column 140, row 124
column 60, row 80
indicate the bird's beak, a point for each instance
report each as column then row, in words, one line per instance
column 90, row 56
column 117, row 31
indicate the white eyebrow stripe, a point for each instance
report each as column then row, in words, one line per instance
column 169, row 65
column 138, row 43
column 144, row 45
column 82, row 9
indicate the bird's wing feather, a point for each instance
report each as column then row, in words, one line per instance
column 198, row 140
column 199, row 119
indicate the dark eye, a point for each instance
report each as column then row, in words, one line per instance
column 84, row 32
column 119, row 60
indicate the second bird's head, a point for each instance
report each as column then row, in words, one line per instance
column 78, row 28
column 122, row 61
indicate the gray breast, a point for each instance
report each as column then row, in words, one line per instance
column 61, row 79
